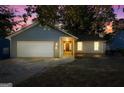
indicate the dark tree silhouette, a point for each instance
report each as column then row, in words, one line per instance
column 75, row 19
column 5, row 21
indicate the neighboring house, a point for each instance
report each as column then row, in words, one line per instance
column 39, row 41
column 117, row 41
column 4, row 48
column 120, row 23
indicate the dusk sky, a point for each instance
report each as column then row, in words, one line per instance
column 119, row 11
column 20, row 10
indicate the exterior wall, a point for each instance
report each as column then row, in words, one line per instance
column 88, row 47
column 4, row 48
column 37, row 33
column 117, row 41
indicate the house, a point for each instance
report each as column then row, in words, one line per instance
column 39, row 41
column 4, row 48
column 117, row 41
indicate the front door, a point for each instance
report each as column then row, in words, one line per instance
column 67, row 48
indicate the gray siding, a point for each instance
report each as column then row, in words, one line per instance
column 88, row 47
column 36, row 33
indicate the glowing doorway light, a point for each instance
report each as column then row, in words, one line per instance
column 66, row 39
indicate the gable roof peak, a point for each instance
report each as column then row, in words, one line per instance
column 35, row 24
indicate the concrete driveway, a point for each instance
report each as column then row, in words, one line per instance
column 83, row 72
column 19, row 69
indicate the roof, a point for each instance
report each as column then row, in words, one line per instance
column 35, row 24
column 90, row 37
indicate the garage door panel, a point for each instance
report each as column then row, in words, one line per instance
column 35, row 49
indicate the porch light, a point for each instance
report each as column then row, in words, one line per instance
column 66, row 39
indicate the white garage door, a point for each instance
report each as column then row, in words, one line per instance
column 35, row 49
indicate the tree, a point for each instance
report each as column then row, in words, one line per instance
column 5, row 21
column 103, row 14
column 76, row 19
column 48, row 15
column 30, row 9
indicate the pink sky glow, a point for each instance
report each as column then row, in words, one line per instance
column 20, row 10
column 118, row 9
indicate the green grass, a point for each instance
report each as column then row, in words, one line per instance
column 85, row 72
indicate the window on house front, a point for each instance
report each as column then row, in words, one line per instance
column 96, row 46
column 79, row 46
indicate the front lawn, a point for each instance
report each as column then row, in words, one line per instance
column 84, row 72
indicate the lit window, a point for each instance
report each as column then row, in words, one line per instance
column 96, row 46
column 79, row 46
column 56, row 45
